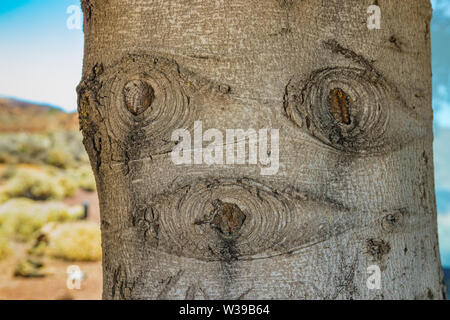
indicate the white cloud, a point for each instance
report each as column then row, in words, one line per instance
column 442, row 158
column 444, row 238
column 442, row 5
column 442, row 91
column 442, row 114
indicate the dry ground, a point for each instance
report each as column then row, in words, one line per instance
column 53, row 286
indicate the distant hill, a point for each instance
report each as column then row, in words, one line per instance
column 19, row 116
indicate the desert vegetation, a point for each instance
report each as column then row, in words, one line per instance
column 43, row 171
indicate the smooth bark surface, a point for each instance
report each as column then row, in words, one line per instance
column 355, row 185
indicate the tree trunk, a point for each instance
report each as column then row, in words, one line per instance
column 353, row 193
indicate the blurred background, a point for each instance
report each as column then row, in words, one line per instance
column 49, row 215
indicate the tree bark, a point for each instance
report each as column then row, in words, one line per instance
column 355, row 184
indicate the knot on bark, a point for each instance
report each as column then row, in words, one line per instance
column 344, row 107
column 338, row 102
column 138, row 96
column 227, row 219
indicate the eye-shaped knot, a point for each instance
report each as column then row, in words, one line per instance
column 145, row 99
column 339, row 104
column 227, row 218
column 346, row 108
column 242, row 219
column 138, row 96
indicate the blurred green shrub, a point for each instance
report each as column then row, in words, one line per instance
column 30, row 268
column 59, row 158
column 73, row 241
column 39, row 185
column 60, row 149
column 23, row 147
column 83, row 177
column 21, row 219
column 8, row 173
column 5, row 249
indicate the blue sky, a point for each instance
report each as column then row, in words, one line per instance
column 40, row 58
column 440, row 37
column 41, row 61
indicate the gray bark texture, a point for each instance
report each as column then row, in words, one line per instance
column 355, row 185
